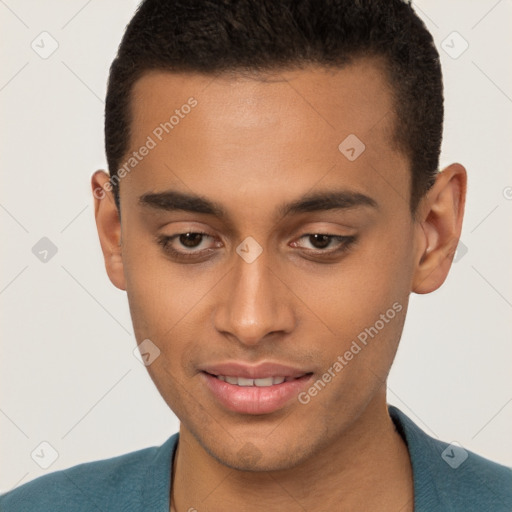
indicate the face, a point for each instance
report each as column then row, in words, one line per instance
column 253, row 247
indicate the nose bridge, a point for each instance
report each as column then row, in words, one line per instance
column 253, row 304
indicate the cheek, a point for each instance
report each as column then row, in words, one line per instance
column 157, row 296
column 163, row 307
column 363, row 302
column 351, row 295
column 169, row 303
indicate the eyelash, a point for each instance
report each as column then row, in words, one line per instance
column 165, row 242
column 345, row 244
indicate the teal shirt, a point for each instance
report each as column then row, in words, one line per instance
column 446, row 478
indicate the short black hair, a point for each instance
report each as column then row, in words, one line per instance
column 215, row 36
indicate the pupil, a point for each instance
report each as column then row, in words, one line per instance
column 320, row 241
column 190, row 239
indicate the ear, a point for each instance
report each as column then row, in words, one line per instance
column 439, row 224
column 108, row 224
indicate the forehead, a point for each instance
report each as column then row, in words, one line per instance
column 260, row 131
column 354, row 97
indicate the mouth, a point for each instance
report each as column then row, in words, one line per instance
column 263, row 389
column 260, row 383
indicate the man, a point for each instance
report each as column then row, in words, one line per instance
column 273, row 200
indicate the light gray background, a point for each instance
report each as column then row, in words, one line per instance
column 68, row 374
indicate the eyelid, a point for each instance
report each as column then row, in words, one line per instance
column 192, row 256
column 343, row 242
column 174, row 236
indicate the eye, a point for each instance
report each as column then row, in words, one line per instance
column 191, row 244
column 324, row 244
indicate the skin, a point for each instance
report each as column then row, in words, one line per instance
column 252, row 144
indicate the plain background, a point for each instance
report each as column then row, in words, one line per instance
column 68, row 373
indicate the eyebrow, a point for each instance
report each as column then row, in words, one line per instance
column 328, row 200
column 172, row 200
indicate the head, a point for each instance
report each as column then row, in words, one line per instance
column 274, row 196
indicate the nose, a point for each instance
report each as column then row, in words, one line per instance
column 255, row 303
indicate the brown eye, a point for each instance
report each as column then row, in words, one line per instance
column 320, row 241
column 190, row 246
column 324, row 244
column 191, row 240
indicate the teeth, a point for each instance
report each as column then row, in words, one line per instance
column 262, row 383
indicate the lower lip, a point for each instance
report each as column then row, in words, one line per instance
column 254, row 399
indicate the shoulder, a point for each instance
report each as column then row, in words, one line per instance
column 118, row 483
column 468, row 481
column 449, row 477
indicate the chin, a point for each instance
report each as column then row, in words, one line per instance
column 250, row 458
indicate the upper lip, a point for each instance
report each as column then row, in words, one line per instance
column 259, row 371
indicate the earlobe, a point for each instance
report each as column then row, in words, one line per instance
column 438, row 228
column 108, row 225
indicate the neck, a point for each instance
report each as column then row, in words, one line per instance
column 366, row 468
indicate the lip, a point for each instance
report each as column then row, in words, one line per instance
column 259, row 371
column 253, row 399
